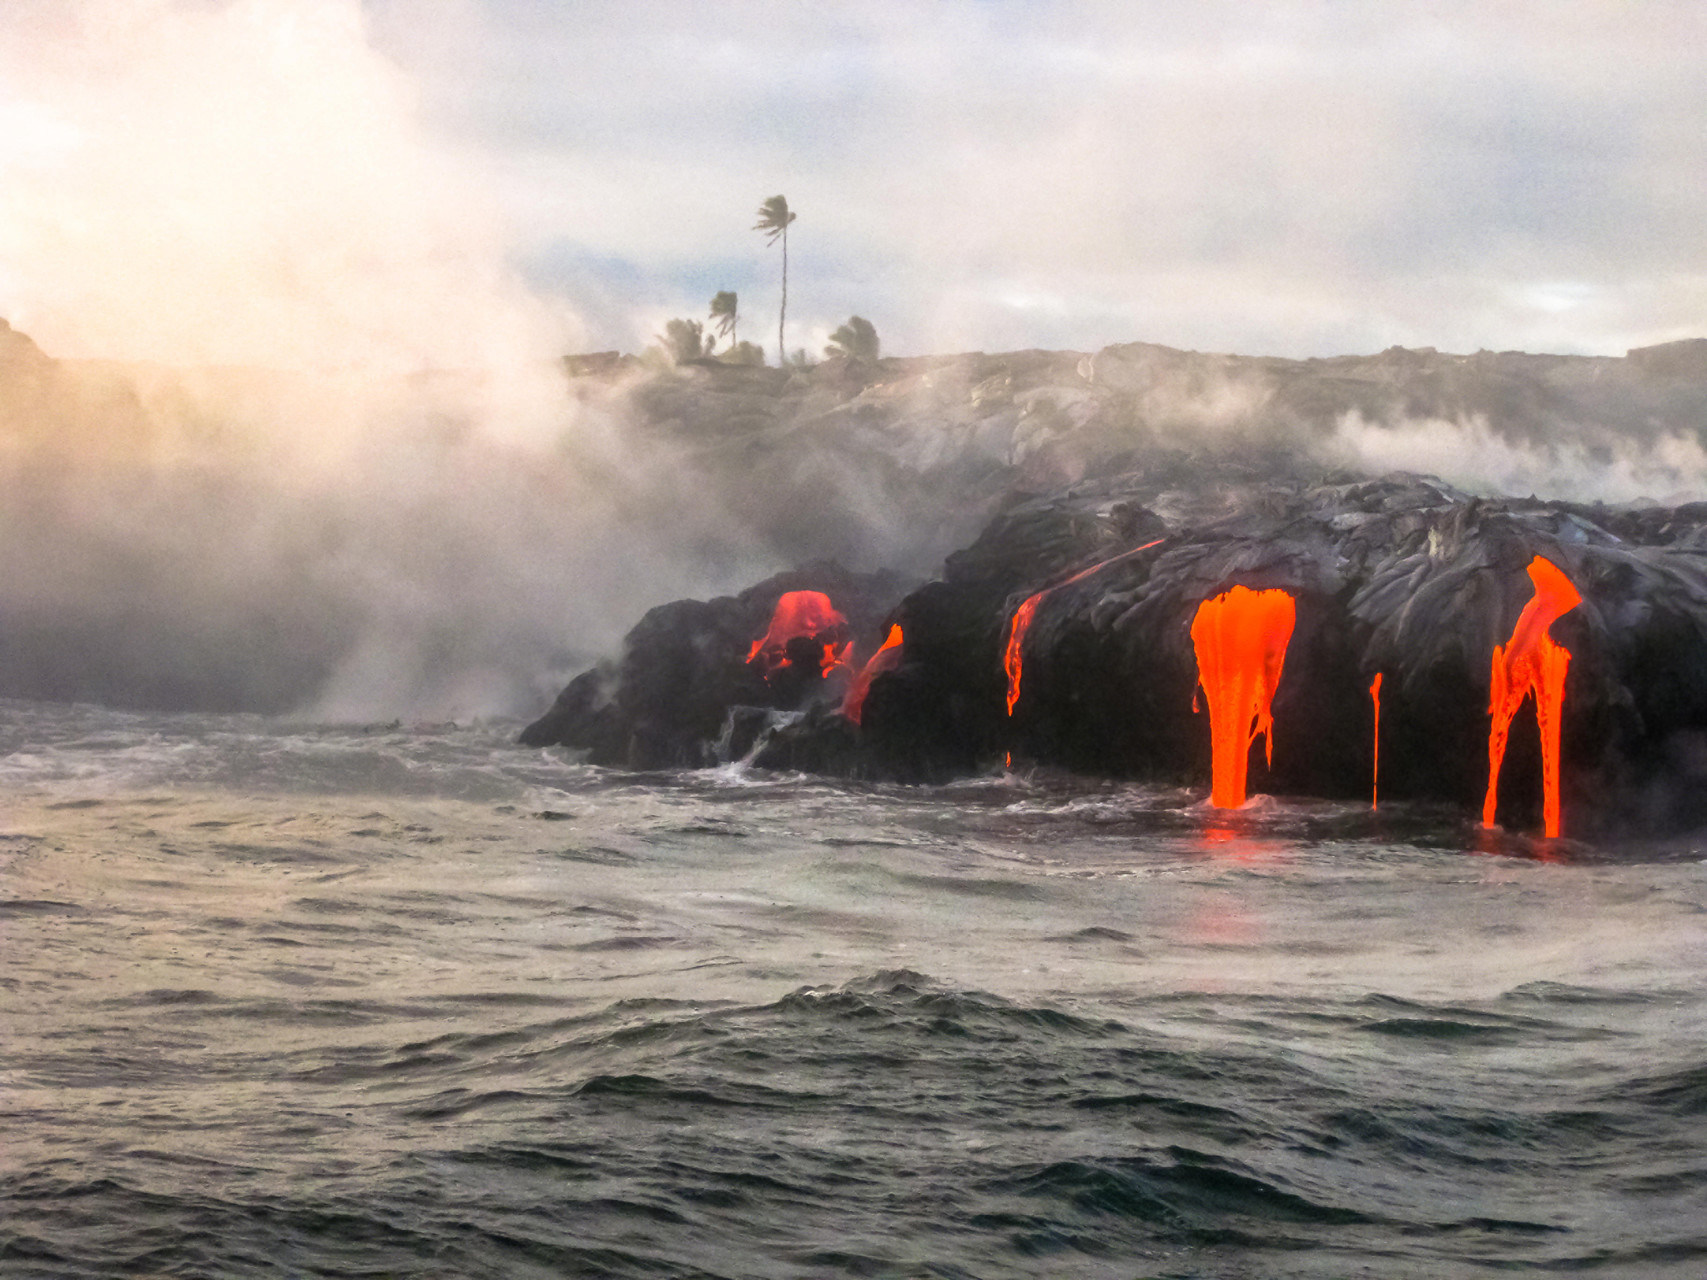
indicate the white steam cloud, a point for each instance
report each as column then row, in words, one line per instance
column 1670, row 469
column 309, row 436
column 242, row 183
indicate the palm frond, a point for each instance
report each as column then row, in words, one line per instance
column 774, row 217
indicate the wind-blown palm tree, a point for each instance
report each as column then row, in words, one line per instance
column 774, row 217
column 723, row 311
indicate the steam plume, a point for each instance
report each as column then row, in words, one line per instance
column 306, row 441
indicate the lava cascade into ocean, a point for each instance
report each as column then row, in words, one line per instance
column 1388, row 633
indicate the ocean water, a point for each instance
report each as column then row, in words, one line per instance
column 294, row 1000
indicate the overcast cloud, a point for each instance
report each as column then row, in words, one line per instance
column 1279, row 177
column 1275, row 177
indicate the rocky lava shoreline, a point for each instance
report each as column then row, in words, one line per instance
column 1400, row 575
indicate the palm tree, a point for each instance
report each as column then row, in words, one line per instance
column 855, row 340
column 774, row 217
column 723, row 311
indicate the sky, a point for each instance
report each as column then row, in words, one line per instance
column 419, row 181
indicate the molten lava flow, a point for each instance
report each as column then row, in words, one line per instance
column 1375, row 774
column 806, row 614
column 1241, row 638
column 1013, row 657
column 837, row 659
column 1013, row 661
column 1532, row 663
column 887, row 658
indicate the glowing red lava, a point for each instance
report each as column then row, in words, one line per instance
column 1013, row 660
column 887, row 658
column 1375, row 773
column 807, row 614
column 1013, row 657
column 1241, row 638
column 1532, row 662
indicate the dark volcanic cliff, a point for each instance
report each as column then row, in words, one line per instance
column 1129, row 486
column 1400, row 576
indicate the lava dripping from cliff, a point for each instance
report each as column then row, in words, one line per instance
column 1403, row 588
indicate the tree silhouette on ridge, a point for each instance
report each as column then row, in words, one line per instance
column 774, row 217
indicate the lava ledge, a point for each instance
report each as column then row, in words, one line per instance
column 1401, row 576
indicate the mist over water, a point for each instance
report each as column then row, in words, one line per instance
column 427, row 564
column 307, row 443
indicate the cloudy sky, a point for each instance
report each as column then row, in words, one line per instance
column 1290, row 177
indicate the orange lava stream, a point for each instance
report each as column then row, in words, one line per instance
column 1532, row 662
column 887, row 658
column 801, row 613
column 1375, row 775
column 835, row 659
column 1013, row 660
column 1013, row 657
column 1241, row 638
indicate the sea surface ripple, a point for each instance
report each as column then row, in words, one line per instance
column 294, row 1000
